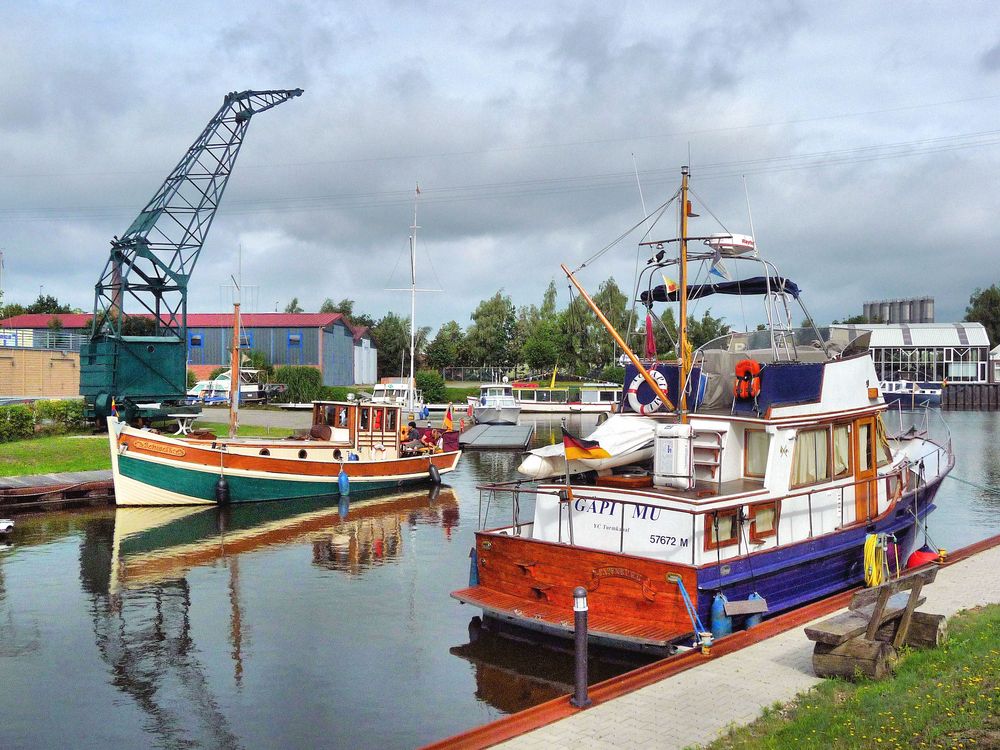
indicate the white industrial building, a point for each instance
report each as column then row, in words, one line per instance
column 930, row 352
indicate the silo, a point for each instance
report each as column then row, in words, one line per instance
column 883, row 311
column 904, row 311
column 894, row 311
column 927, row 310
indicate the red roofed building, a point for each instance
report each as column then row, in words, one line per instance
column 345, row 354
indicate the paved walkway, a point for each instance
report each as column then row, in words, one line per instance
column 696, row 706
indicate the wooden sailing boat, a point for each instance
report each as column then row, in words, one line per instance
column 772, row 468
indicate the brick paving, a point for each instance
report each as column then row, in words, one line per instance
column 696, row 706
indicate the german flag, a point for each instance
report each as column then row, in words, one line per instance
column 577, row 448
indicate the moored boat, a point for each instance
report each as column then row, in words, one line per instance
column 351, row 448
column 495, row 405
column 774, row 479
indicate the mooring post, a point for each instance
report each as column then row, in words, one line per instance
column 580, row 699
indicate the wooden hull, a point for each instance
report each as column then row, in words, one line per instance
column 151, row 469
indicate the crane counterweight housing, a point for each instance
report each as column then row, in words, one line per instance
column 138, row 358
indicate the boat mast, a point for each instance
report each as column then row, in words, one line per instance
column 411, row 391
column 234, row 372
column 682, row 343
column 618, row 339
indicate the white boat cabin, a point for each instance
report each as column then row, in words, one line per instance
column 744, row 478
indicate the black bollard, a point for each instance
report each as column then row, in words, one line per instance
column 580, row 699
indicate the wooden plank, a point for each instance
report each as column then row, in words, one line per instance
column 746, row 607
column 904, row 621
column 903, row 583
column 841, row 628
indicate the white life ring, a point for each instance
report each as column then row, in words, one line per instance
column 633, row 393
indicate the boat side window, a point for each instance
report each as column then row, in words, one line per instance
column 390, row 420
column 330, row 415
column 377, row 419
column 763, row 521
column 543, row 395
column 721, row 529
column 608, row 396
column 841, row 450
column 864, row 446
column 811, row 463
column 755, row 447
column 365, row 417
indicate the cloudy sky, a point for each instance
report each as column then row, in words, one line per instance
column 866, row 133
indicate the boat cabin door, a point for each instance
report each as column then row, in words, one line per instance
column 865, row 470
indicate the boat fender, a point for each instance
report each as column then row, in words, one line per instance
column 435, row 475
column 473, row 568
column 633, row 393
column 722, row 624
column 222, row 491
column 755, row 618
column 922, row 556
column 747, row 383
column 343, row 483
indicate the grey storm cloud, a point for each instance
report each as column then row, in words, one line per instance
column 864, row 135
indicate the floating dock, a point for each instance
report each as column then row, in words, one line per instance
column 50, row 491
column 497, row 436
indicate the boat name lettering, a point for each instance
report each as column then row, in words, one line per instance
column 597, row 574
column 607, row 507
column 148, row 445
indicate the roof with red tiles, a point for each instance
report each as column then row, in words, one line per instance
column 71, row 321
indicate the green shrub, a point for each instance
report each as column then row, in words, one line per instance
column 304, row 383
column 432, row 385
column 17, row 422
column 57, row 416
column 613, row 374
column 217, row 372
column 192, row 379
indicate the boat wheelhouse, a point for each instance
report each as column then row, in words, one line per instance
column 351, row 447
column 773, row 470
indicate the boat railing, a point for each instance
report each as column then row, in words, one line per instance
column 903, row 477
column 924, row 421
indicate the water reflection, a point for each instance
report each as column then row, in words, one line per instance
column 135, row 566
column 512, row 676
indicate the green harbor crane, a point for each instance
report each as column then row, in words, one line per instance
column 138, row 359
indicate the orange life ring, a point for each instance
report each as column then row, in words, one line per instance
column 747, row 383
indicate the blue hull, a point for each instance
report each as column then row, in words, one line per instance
column 797, row 574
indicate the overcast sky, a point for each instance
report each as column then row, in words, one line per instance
column 867, row 133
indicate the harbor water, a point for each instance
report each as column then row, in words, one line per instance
column 308, row 624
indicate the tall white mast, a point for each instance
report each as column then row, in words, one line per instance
column 411, row 391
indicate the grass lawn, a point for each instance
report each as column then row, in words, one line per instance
column 940, row 698
column 45, row 455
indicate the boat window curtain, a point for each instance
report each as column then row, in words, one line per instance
column 864, row 447
column 757, row 444
column 764, row 517
column 841, row 450
column 727, row 529
column 884, row 452
column 811, row 463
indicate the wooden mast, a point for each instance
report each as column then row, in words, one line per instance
column 234, row 373
column 618, row 339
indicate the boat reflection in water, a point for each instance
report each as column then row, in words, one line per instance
column 137, row 576
column 514, row 679
column 160, row 543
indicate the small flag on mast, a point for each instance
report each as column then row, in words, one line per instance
column 577, row 448
column 669, row 284
column 449, row 423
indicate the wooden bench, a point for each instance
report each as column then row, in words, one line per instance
column 866, row 638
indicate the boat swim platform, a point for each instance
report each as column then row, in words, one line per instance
column 748, row 671
column 497, row 436
column 32, row 492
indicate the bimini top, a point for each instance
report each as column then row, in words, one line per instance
column 754, row 285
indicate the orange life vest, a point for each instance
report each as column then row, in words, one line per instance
column 747, row 383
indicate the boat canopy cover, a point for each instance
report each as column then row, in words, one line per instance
column 754, row 285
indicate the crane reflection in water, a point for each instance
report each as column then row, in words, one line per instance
column 136, row 564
